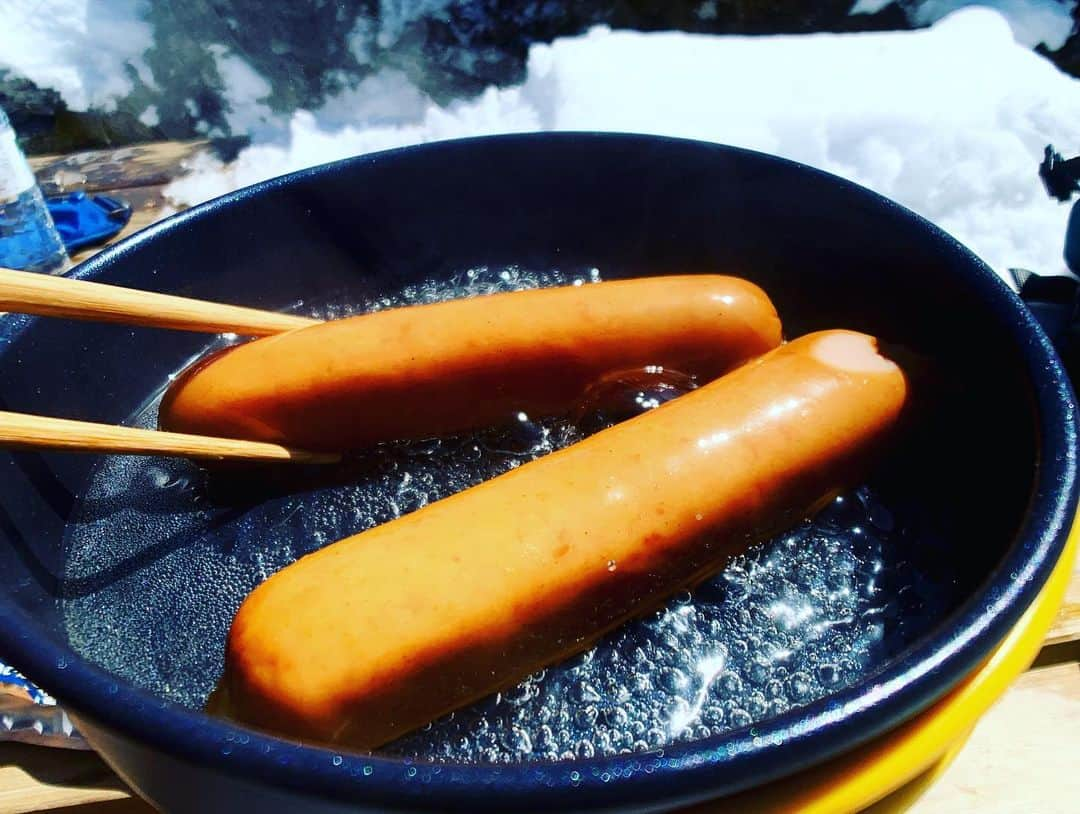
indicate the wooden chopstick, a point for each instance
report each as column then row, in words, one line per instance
column 46, row 295
column 25, row 431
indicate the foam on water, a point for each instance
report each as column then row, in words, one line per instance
column 161, row 554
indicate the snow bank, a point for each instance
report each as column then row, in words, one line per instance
column 1048, row 22
column 81, row 48
column 1032, row 21
column 244, row 90
column 950, row 121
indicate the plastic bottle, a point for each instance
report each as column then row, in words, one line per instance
column 28, row 237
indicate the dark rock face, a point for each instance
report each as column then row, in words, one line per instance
column 300, row 48
column 1068, row 56
column 450, row 49
column 46, row 125
column 30, row 108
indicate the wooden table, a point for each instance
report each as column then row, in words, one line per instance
column 1023, row 758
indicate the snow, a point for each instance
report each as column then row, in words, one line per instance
column 150, row 116
column 950, row 121
column 395, row 15
column 81, row 48
column 1032, row 21
column 244, row 91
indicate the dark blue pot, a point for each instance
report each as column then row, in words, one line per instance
column 992, row 464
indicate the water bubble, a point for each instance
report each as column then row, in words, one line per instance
column 757, row 706
column 641, row 683
column 799, row 686
column 523, row 692
column 620, row 396
column 759, row 669
column 729, row 684
column 828, row 674
column 673, row 679
column 585, row 717
column 520, row 435
column 516, row 741
column 614, row 718
column 740, row 718
column 585, row 692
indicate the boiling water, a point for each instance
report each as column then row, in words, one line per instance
column 160, row 555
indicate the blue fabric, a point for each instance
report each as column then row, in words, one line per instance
column 85, row 220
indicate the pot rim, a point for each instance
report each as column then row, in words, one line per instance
column 678, row 774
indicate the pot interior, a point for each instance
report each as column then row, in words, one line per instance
column 137, row 564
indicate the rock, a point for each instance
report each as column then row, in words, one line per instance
column 303, row 53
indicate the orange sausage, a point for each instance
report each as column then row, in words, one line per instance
column 439, row 369
column 383, row 631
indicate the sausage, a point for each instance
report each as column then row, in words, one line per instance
column 383, row 631
column 439, row 369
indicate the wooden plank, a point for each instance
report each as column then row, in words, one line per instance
column 137, row 175
column 128, row 805
column 1024, row 754
column 37, row 778
column 107, row 170
column 1066, row 627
